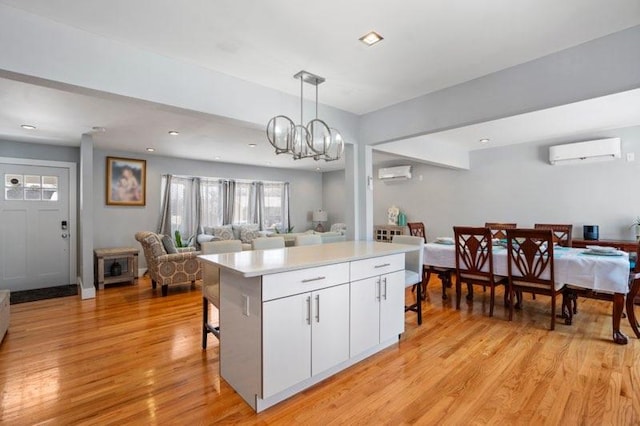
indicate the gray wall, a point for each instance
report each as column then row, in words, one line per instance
column 333, row 196
column 116, row 226
column 39, row 151
column 516, row 183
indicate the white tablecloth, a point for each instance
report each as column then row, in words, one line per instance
column 608, row 274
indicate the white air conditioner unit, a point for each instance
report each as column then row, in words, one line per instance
column 394, row 173
column 583, row 152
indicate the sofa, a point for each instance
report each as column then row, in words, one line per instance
column 246, row 234
column 168, row 269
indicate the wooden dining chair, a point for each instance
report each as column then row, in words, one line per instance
column 561, row 232
column 211, row 283
column 412, row 269
column 474, row 262
column 498, row 229
column 530, row 266
column 417, row 229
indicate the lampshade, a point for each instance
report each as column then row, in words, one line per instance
column 319, row 215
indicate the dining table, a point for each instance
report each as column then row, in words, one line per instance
column 602, row 273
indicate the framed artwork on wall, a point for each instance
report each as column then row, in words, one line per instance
column 126, row 181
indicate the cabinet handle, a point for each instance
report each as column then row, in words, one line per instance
column 309, row 310
column 378, row 290
column 317, row 308
column 246, row 304
column 308, row 280
column 384, row 265
column 384, row 281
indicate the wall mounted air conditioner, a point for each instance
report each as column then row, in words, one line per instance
column 394, row 173
column 584, row 152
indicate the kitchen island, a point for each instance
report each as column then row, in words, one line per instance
column 291, row 317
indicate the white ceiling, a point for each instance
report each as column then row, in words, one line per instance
column 62, row 117
column 428, row 45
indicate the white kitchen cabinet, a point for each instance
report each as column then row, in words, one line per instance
column 303, row 335
column 376, row 302
column 292, row 317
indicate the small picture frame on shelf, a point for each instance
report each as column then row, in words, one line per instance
column 126, row 182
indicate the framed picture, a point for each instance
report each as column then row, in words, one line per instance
column 126, row 181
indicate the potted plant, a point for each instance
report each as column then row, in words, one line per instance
column 636, row 226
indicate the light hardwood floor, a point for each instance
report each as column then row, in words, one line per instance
column 132, row 357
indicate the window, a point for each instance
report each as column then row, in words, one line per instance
column 241, row 204
column 273, row 205
column 180, row 209
column 194, row 203
column 211, row 202
column 30, row 187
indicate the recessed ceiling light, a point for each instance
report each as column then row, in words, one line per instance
column 318, row 169
column 252, row 145
column 174, row 132
column 151, row 149
column 371, row 38
column 216, row 158
column 28, row 127
column 484, row 140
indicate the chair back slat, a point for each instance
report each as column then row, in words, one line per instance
column 473, row 250
column 530, row 256
column 498, row 229
column 562, row 233
column 417, row 229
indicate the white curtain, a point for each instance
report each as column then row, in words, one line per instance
column 191, row 203
column 180, row 207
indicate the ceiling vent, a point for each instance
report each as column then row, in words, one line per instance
column 585, row 152
column 394, row 173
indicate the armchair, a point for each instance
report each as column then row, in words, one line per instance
column 166, row 269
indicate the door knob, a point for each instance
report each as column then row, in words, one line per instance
column 64, row 235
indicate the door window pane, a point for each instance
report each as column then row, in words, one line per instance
column 30, row 187
column 49, row 181
column 32, row 194
column 31, row 181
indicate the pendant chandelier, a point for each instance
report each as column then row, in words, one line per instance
column 315, row 140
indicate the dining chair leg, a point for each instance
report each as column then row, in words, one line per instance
column 510, row 303
column 205, row 320
column 419, row 303
column 491, row 302
column 553, row 312
column 631, row 314
column 458, row 292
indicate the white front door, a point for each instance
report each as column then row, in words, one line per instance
column 34, row 227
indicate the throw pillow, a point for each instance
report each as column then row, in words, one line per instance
column 247, row 234
column 169, row 245
column 208, row 230
column 223, row 232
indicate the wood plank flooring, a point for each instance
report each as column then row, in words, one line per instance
column 132, row 357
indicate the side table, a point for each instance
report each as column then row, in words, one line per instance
column 120, row 253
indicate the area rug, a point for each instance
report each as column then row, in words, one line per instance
column 24, row 296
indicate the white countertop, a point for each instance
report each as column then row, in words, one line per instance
column 252, row 263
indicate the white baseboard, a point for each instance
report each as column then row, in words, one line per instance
column 86, row 293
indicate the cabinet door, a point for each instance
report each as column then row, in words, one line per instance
column 392, row 305
column 365, row 314
column 286, row 342
column 330, row 328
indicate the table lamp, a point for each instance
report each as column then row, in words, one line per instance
column 319, row 216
